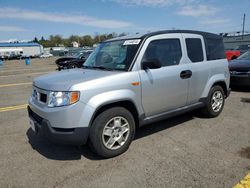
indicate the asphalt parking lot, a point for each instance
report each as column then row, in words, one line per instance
column 185, row 151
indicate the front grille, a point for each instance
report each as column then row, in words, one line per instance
column 36, row 117
column 43, row 97
column 39, row 95
column 240, row 73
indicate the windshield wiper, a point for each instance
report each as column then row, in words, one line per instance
column 102, row 68
column 86, row 67
column 97, row 67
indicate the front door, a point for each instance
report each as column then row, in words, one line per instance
column 165, row 88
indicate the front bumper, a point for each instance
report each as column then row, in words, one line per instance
column 240, row 80
column 72, row 136
column 61, row 67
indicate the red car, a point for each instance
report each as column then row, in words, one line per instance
column 232, row 54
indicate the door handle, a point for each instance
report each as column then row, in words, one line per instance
column 186, row 74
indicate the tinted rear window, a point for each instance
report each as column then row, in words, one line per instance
column 215, row 49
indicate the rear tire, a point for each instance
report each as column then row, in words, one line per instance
column 215, row 102
column 112, row 132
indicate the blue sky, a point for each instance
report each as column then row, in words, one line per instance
column 23, row 20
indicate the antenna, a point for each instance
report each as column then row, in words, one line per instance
column 243, row 26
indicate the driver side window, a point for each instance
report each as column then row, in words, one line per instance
column 167, row 51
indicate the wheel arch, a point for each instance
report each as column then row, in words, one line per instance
column 218, row 79
column 127, row 104
column 223, row 85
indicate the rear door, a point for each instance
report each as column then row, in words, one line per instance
column 163, row 89
column 196, row 57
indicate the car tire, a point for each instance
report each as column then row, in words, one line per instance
column 112, row 132
column 72, row 66
column 215, row 102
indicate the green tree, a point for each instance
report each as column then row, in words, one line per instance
column 42, row 39
column 122, row 34
column 35, row 40
column 56, row 40
column 67, row 43
column 87, row 40
column 75, row 38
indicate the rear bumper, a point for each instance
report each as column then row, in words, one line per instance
column 70, row 136
column 240, row 80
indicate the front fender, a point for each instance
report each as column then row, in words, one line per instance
column 111, row 96
column 105, row 98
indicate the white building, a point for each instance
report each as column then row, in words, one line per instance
column 75, row 44
column 25, row 48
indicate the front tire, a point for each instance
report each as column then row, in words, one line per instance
column 72, row 66
column 112, row 132
column 215, row 102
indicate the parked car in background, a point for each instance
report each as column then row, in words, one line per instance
column 75, row 61
column 240, row 70
column 129, row 82
column 232, row 54
column 46, row 55
column 243, row 48
column 13, row 56
column 9, row 53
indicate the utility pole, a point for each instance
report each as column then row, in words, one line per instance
column 243, row 27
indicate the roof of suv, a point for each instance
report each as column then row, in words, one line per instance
column 143, row 36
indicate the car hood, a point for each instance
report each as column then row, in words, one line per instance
column 64, row 80
column 239, row 65
column 63, row 59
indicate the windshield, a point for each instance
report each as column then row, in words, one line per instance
column 113, row 55
column 245, row 56
column 78, row 55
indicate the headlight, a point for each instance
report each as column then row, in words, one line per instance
column 57, row 99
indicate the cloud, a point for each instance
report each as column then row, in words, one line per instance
column 154, row 3
column 204, row 14
column 214, row 21
column 198, row 10
column 16, row 13
column 11, row 29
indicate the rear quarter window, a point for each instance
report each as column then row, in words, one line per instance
column 215, row 49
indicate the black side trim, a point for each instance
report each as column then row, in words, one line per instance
column 168, row 114
column 203, row 100
column 114, row 102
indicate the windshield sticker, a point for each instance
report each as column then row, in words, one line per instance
column 132, row 42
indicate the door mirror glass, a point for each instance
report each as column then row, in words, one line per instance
column 151, row 64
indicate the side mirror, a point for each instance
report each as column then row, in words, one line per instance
column 151, row 64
